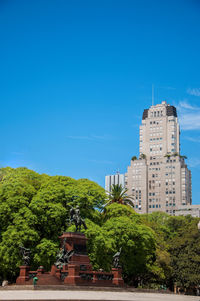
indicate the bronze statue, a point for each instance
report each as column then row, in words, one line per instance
column 25, row 255
column 116, row 258
column 76, row 218
column 63, row 256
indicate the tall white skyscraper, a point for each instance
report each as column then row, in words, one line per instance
column 159, row 179
column 113, row 180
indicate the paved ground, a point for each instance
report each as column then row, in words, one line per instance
column 90, row 295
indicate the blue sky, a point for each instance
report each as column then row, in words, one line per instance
column 76, row 75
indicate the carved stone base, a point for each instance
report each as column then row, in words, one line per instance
column 23, row 275
column 117, row 277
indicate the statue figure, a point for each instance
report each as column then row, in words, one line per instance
column 63, row 256
column 76, row 218
column 25, row 255
column 116, row 258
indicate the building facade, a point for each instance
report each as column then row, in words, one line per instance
column 193, row 210
column 159, row 179
column 113, row 180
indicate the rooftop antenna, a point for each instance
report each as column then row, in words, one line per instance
column 152, row 94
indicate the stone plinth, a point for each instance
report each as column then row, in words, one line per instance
column 73, row 277
column 23, row 275
column 77, row 242
column 117, row 277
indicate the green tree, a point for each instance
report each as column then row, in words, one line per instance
column 12, row 238
column 137, row 242
column 143, row 156
column 34, row 210
column 116, row 210
column 122, row 227
column 118, row 194
column 134, row 158
column 185, row 253
column 46, row 252
column 161, row 273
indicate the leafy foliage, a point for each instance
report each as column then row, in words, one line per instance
column 118, row 194
column 34, row 210
column 157, row 249
column 134, row 158
column 185, row 254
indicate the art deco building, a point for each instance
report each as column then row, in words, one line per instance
column 159, row 179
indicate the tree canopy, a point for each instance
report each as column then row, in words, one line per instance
column 118, row 194
column 157, row 249
column 34, row 210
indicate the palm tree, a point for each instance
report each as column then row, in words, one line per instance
column 118, row 195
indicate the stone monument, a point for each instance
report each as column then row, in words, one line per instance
column 72, row 266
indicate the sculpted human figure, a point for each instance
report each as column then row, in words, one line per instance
column 116, row 259
column 76, row 218
column 63, row 256
column 25, row 255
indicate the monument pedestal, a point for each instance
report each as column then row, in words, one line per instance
column 23, row 275
column 78, row 271
column 73, row 275
column 117, row 277
column 77, row 242
column 75, row 271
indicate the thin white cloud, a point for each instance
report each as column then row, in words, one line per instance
column 194, row 162
column 101, row 161
column 193, row 139
column 194, row 91
column 103, row 137
column 80, row 137
column 190, row 121
column 90, row 137
column 185, row 105
column 189, row 116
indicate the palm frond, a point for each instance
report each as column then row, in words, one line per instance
column 118, row 194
